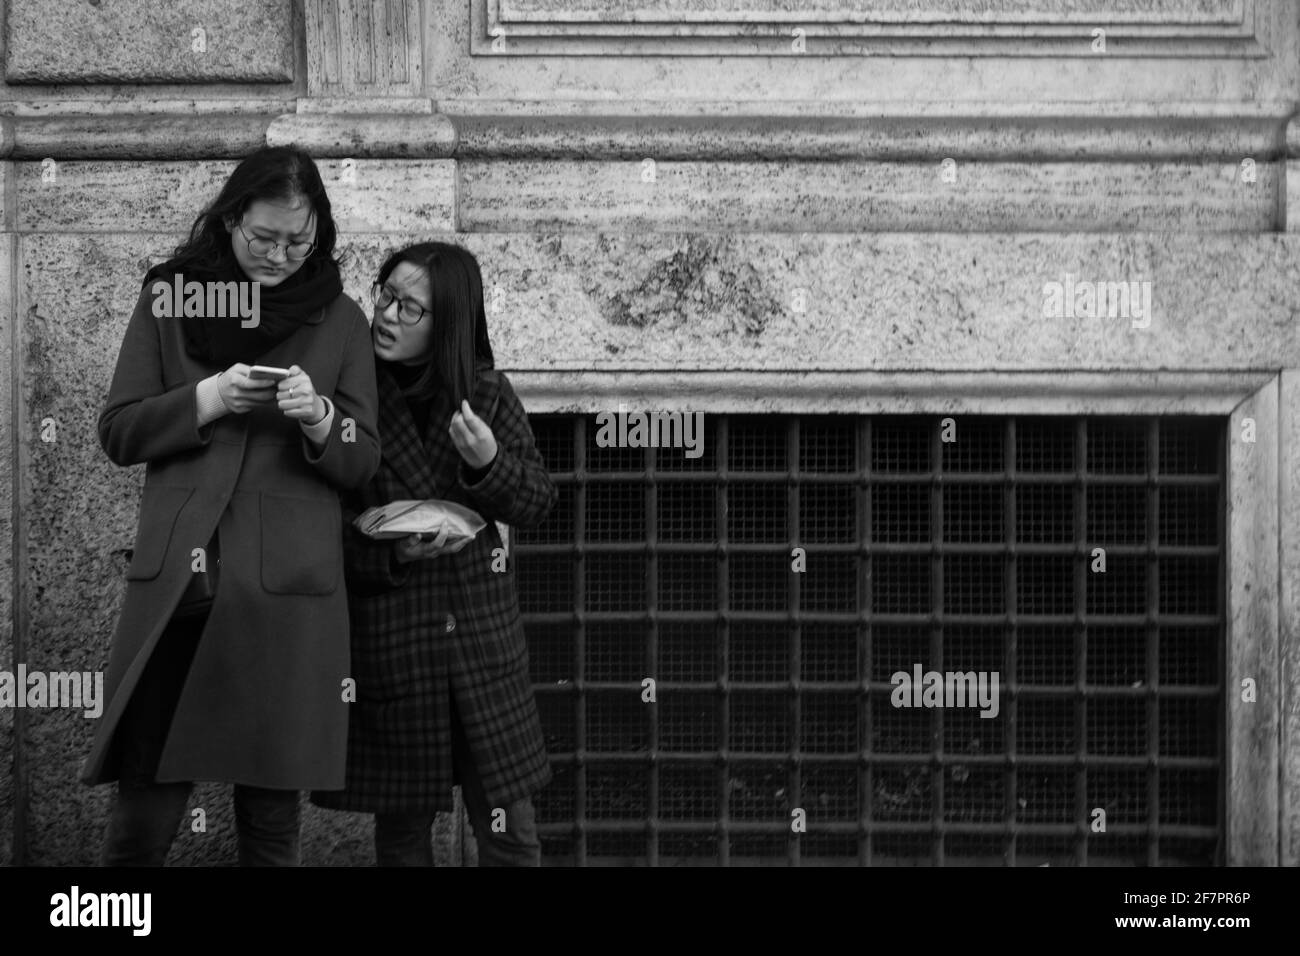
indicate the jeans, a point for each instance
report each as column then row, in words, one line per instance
column 146, row 814
column 403, row 839
column 145, row 818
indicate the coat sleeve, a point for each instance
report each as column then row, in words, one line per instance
column 369, row 565
column 517, row 489
column 141, row 420
column 349, row 456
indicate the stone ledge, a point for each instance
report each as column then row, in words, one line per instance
column 1120, row 392
column 826, row 136
column 364, row 105
column 430, row 136
column 1293, row 137
column 466, row 131
column 147, row 101
column 147, row 136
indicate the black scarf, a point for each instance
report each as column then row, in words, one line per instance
column 404, row 376
column 283, row 309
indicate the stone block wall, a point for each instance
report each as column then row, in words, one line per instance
column 650, row 187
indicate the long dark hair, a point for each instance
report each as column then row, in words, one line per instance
column 458, row 343
column 274, row 173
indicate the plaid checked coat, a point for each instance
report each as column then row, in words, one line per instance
column 444, row 631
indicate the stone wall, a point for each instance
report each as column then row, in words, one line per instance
column 651, row 187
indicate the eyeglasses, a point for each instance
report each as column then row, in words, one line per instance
column 409, row 312
column 263, row 248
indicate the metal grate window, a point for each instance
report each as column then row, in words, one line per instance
column 966, row 547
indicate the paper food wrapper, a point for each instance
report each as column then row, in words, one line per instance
column 397, row 519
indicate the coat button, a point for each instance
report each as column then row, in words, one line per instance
column 450, row 625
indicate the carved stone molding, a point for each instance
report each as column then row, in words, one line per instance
column 366, row 48
column 1213, row 28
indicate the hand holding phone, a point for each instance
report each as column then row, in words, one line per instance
column 297, row 396
column 268, row 372
column 241, row 391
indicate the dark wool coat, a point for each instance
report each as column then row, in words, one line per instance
column 443, row 631
column 263, row 702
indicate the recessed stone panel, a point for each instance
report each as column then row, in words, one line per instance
column 847, row 27
column 934, row 12
column 149, row 41
column 721, row 69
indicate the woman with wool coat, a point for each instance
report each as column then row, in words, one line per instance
column 443, row 689
column 239, row 679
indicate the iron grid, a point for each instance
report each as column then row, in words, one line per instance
column 773, row 687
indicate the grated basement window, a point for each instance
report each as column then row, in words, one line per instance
column 774, row 688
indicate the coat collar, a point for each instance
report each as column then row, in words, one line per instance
column 426, row 464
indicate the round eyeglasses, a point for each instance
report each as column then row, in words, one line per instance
column 409, row 312
column 263, row 248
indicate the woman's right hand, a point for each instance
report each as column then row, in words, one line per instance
column 240, row 392
column 414, row 548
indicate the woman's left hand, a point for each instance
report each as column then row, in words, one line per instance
column 298, row 399
column 472, row 437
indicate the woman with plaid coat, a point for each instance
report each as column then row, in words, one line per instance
column 443, row 692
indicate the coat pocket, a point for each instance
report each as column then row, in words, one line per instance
column 302, row 547
column 160, row 506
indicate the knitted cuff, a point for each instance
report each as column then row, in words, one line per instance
column 210, row 405
column 321, row 430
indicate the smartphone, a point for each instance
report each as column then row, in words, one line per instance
column 269, row 372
